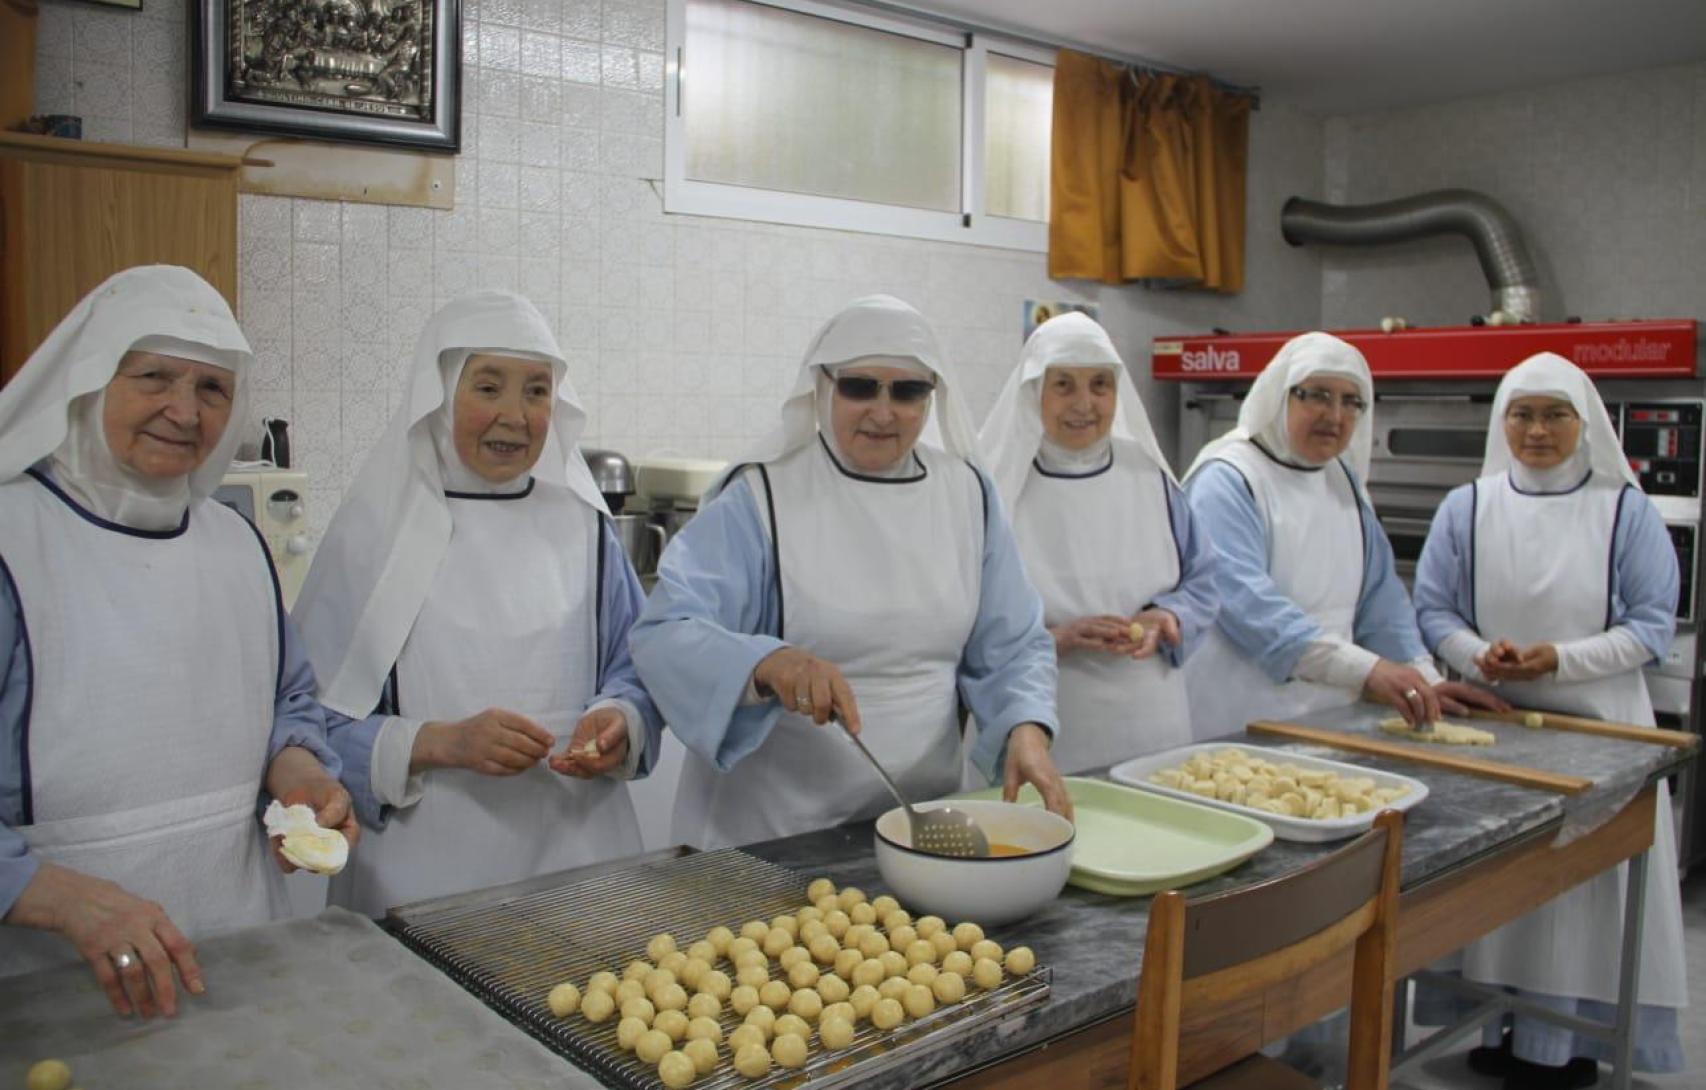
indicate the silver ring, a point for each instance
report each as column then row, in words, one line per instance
column 1411, row 694
column 123, row 960
column 803, row 703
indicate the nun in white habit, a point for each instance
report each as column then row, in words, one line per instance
column 1514, row 588
column 1107, row 539
column 152, row 689
column 468, row 612
column 846, row 570
column 1312, row 613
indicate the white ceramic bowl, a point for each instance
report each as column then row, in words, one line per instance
column 989, row 891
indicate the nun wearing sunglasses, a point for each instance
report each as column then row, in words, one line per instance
column 854, row 571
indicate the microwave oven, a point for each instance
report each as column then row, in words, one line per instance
column 276, row 501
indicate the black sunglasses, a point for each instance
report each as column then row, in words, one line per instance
column 906, row 391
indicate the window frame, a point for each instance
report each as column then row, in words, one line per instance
column 971, row 225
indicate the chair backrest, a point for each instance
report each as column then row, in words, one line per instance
column 1214, row 951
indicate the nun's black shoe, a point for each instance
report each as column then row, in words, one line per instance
column 1579, row 1072
column 1494, row 1062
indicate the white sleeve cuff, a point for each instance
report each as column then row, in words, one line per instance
column 392, row 752
column 1335, row 662
column 1614, row 651
column 636, row 735
column 752, row 696
column 1429, row 671
column 1461, row 650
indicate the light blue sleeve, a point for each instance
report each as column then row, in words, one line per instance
column 353, row 739
column 17, row 863
column 1007, row 673
column 1445, row 574
column 1254, row 614
column 1194, row 601
column 711, row 618
column 1646, row 580
column 620, row 601
column 1385, row 620
column 298, row 719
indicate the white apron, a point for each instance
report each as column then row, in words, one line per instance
column 1315, row 558
column 511, row 622
column 1541, row 575
column 883, row 579
column 154, row 667
column 1105, row 543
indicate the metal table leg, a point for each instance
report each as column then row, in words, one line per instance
column 1629, row 974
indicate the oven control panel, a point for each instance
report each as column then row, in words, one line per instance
column 1662, row 440
column 1684, row 538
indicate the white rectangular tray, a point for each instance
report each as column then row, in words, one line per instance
column 1136, row 773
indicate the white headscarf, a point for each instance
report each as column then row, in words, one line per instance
column 1263, row 414
column 54, row 406
column 1013, row 434
column 1550, row 375
column 872, row 326
column 375, row 567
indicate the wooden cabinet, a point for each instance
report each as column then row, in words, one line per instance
column 74, row 213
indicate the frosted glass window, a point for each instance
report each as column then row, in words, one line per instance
column 778, row 100
column 1018, row 117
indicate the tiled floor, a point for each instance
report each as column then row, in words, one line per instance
column 1451, row 1072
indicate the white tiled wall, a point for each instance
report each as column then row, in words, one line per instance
column 1607, row 177
column 681, row 332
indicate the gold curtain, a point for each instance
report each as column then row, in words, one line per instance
column 17, row 61
column 1146, row 176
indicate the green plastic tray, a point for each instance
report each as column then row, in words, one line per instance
column 1132, row 843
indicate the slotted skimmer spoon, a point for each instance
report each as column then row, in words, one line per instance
column 939, row 831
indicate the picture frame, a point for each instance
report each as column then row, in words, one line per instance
column 125, row 5
column 384, row 72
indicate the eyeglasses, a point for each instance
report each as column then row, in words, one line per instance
column 1551, row 419
column 906, row 391
column 1323, row 400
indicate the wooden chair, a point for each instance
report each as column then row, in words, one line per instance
column 1217, row 950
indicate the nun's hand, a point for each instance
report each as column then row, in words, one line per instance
column 1160, row 626
column 297, row 776
column 598, row 745
column 1028, row 761
column 807, row 685
column 1404, row 688
column 494, row 742
column 1107, row 633
column 1461, row 698
column 1512, row 663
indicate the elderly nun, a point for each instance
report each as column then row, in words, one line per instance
column 1107, row 539
column 1514, row 588
column 468, row 612
column 1312, row 613
column 151, row 685
column 846, row 570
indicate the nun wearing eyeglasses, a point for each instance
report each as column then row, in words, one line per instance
column 1312, row 613
column 1514, row 588
column 848, row 570
column 152, row 690
column 468, row 612
column 1107, row 539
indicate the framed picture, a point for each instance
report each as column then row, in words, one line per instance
column 367, row 71
column 128, row 5
column 1036, row 313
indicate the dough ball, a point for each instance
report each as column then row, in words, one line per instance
column 775, row 994
column 656, row 979
column 603, row 982
column 787, row 923
column 628, row 1033
column 628, row 989
column 753, row 1061
column 704, row 1005
column 1533, row 720
column 753, row 976
column 48, row 1075
column 751, row 957
column 776, row 941
column 703, row 1054
column 705, row 1028
column 670, row 997
column 738, row 946
column 754, row 930
column 835, row 1033
column 883, row 904
column 873, row 944
column 843, row 1011
column 986, row 973
column 694, row 970
column 894, row 987
column 923, row 973
column 812, row 930
column 918, row 1000
column 869, row 971
column 660, row 946
column 898, row 917
column 832, row 988
column 957, row 962
column 597, row 1007
column 887, row 1013
column 901, row 937
column 806, row 1003
column 967, row 934
column 849, row 897
column 564, row 1000
column 928, row 925
column 1136, row 632
column 894, row 963
column 838, row 922
column 824, row 949
column 862, row 999
column 673, row 1023
column 792, row 956
column 793, row 1023
column 743, row 999
column 855, row 934
column 762, row 1019
column 828, row 903
column 803, row 974
column 846, row 962
column 640, row 1008
column 949, row 987
column 819, row 889
column 652, row 1045
column 809, row 914
column 673, row 961
column 747, row 1034
column 716, row 983
column 637, row 970
column 921, row 951
column 1020, row 960
column 719, row 937
column 789, row 1050
column 705, row 950
column 986, row 949
column 677, row 1069
column 862, row 913
column 944, row 943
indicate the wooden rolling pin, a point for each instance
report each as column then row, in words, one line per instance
column 1427, row 754
column 1625, row 731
